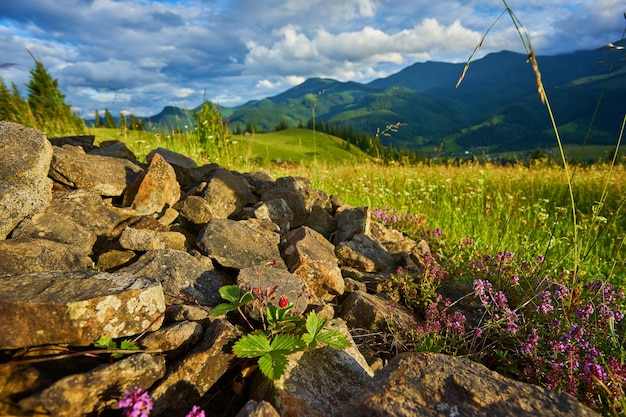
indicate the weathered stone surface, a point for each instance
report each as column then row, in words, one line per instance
column 74, row 168
column 146, row 239
column 310, row 256
column 180, row 274
column 97, row 389
column 276, row 211
column 25, row 188
column 365, row 254
column 183, row 165
column 321, row 221
column 195, row 209
column 430, row 384
column 76, row 307
column 241, row 244
column 87, row 209
column 23, row 256
column 174, row 339
column 274, row 283
column 112, row 148
column 154, row 189
column 84, row 141
column 114, row 259
column 227, row 194
column 257, row 409
column 350, row 222
column 58, row 228
column 191, row 377
column 297, row 192
column 373, row 312
column 311, row 385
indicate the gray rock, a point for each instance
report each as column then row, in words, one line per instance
column 297, row 192
column 174, row 339
column 196, row 210
column 58, row 228
column 23, row 256
column 180, row 274
column 191, row 377
column 112, row 148
column 154, row 189
column 241, row 244
column 321, row 221
column 277, row 211
column 311, row 257
column 227, row 194
column 430, row 384
column 74, row 168
column 374, row 312
column 350, row 222
column 98, row 389
column 257, row 409
column 146, row 239
column 87, row 209
column 25, row 188
column 76, row 308
column 273, row 283
column 365, row 254
column 183, row 165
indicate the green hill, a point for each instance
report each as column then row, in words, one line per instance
column 299, row 146
column 495, row 109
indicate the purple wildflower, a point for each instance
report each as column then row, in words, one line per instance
column 136, row 403
column 546, row 306
column 196, row 412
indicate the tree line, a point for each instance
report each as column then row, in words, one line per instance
column 44, row 108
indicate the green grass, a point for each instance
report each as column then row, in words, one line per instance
column 244, row 152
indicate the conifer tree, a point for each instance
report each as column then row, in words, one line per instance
column 47, row 103
column 109, row 121
column 98, row 120
column 123, row 124
column 5, row 97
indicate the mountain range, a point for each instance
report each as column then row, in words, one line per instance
column 496, row 107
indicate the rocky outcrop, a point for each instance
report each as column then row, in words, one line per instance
column 430, row 384
column 94, row 243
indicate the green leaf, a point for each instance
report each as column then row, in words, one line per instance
column 273, row 364
column 231, row 293
column 221, row 309
column 105, row 342
column 313, row 326
column 251, row 346
column 128, row 345
column 287, row 344
column 334, row 338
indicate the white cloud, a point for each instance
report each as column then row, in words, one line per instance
column 154, row 53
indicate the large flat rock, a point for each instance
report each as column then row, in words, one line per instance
column 76, row 308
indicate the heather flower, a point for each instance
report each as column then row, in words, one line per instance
column 541, row 258
column 532, row 340
column 136, row 403
column 514, row 280
column 546, row 306
column 196, row 412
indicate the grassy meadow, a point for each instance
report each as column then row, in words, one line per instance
column 551, row 279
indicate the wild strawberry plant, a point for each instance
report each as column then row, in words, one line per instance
column 283, row 333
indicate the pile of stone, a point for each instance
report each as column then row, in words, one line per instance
column 94, row 243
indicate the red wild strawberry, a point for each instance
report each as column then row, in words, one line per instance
column 283, row 302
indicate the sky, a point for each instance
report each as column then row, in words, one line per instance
column 139, row 56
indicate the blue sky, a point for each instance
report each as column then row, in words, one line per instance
column 139, row 56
